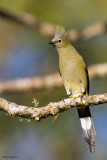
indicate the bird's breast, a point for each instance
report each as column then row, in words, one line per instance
column 73, row 74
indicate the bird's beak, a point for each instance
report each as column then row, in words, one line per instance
column 51, row 42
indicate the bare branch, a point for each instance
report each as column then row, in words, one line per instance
column 47, row 82
column 52, row 109
column 35, row 83
column 48, row 29
column 97, row 70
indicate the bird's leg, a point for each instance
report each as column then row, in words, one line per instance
column 67, row 96
column 77, row 95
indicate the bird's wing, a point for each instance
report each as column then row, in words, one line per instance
column 87, row 75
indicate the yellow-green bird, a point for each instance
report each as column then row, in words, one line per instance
column 76, row 81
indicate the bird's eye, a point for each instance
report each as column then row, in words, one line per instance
column 59, row 40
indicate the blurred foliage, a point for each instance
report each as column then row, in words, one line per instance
column 25, row 53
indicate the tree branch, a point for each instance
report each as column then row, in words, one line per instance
column 48, row 29
column 97, row 70
column 47, row 82
column 52, row 109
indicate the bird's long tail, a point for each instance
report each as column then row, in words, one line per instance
column 87, row 128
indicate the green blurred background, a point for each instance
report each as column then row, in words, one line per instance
column 24, row 52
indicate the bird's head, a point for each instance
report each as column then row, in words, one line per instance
column 60, row 39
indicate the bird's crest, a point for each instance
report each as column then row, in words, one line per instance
column 60, row 32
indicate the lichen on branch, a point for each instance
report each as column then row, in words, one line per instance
column 52, row 109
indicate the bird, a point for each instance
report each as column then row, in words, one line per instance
column 74, row 73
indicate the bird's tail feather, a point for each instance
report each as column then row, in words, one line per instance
column 87, row 128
